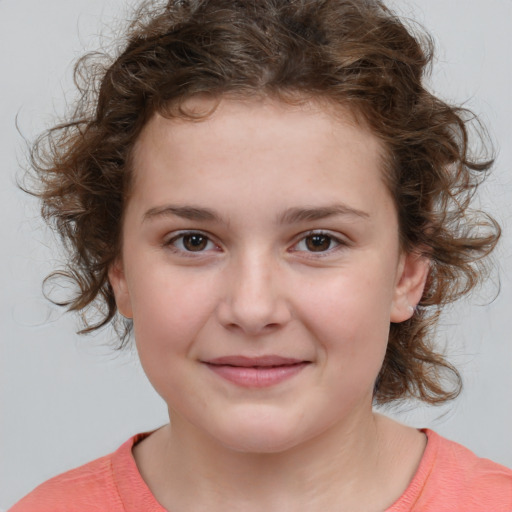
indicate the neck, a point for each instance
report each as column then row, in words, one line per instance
column 344, row 467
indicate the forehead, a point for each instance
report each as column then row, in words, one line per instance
column 259, row 148
column 202, row 120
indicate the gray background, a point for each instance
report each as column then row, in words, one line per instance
column 66, row 399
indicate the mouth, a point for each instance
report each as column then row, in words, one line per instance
column 256, row 372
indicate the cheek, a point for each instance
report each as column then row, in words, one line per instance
column 352, row 303
column 349, row 315
column 169, row 312
column 169, row 308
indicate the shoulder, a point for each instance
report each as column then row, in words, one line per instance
column 469, row 471
column 452, row 478
column 79, row 489
column 92, row 487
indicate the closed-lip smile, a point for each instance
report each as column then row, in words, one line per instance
column 256, row 372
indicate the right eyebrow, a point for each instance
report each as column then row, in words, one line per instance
column 185, row 212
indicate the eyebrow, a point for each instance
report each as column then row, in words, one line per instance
column 317, row 213
column 185, row 212
column 290, row 216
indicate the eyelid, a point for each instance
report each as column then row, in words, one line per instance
column 176, row 235
column 340, row 240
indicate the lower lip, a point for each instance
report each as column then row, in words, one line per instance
column 259, row 376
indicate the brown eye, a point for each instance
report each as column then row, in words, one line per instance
column 195, row 242
column 189, row 243
column 318, row 243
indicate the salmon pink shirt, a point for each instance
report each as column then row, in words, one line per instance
column 450, row 478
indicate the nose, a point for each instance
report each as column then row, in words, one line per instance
column 254, row 300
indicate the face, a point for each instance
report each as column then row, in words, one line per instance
column 261, row 267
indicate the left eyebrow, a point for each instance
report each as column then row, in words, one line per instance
column 318, row 213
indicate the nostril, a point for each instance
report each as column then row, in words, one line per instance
column 247, row 309
column 252, row 329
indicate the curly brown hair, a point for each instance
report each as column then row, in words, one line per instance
column 355, row 53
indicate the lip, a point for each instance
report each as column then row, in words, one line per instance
column 256, row 372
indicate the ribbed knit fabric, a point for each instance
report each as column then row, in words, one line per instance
column 450, row 478
column 108, row 484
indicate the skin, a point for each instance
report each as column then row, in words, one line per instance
column 251, row 186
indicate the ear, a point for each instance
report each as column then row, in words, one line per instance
column 411, row 278
column 118, row 282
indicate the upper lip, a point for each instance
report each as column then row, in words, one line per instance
column 245, row 361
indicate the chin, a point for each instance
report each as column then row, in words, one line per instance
column 261, row 435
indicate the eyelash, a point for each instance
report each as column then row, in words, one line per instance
column 336, row 243
column 302, row 239
column 171, row 243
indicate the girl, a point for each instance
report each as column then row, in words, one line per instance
column 266, row 196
